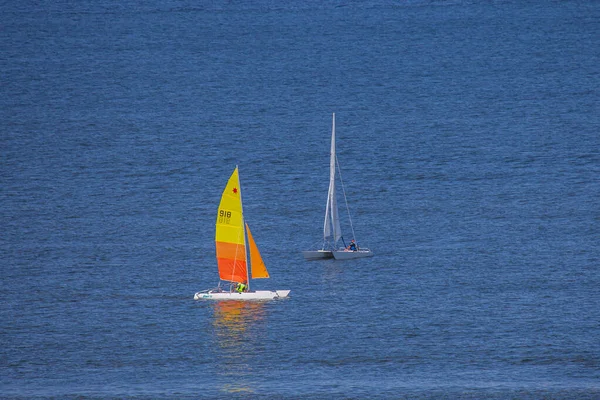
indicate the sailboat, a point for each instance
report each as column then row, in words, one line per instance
column 232, row 252
column 332, row 232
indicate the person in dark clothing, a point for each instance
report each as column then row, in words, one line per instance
column 352, row 246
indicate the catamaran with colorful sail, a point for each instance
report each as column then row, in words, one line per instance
column 232, row 248
column 332, row 232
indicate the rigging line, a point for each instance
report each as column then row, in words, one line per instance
column 345, row 199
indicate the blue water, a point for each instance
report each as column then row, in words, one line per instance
column 469, row 142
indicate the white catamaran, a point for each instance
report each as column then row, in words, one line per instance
column 231, row 250
column 332, row 232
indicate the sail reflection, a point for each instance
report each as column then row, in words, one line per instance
column 239, row 327
column 233, row 318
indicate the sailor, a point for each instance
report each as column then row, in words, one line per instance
column 240, row 287
column 352, row 246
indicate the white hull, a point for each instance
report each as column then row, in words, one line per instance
column 317, row 254
column 258, row 295
column 350, row 255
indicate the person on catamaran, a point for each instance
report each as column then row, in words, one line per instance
column 352, row 246
column 240, row 287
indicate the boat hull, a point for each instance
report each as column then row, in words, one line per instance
column 244, row 296
column 317, row 254
column 350, row 255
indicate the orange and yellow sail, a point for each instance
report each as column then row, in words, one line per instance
column 230, row 237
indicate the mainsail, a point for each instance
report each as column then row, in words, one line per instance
column 229, row 236
column 331, row 226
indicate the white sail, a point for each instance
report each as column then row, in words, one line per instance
column 331, row 226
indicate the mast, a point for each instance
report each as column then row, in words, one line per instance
column 244, row 234
column 332, row 159
column 331, row 226
column 335, row 220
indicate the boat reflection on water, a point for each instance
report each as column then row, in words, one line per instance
column 239, row 327
column 233, row 318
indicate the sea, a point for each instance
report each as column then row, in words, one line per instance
column 468, row 138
